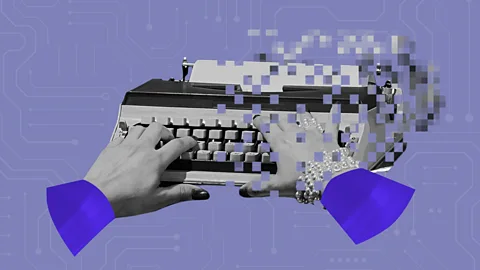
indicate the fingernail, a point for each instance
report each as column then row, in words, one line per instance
column 195, row 138
column 200, row 195
column 255, row 116
column 140, row 124
column 244, row 193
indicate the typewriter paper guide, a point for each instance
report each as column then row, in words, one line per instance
column 210, row 71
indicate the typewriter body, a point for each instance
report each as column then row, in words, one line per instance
column 232, row 150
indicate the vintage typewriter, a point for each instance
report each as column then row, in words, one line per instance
column 230, row 147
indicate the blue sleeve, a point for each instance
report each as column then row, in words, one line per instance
column 364, row 203
column 79, row 211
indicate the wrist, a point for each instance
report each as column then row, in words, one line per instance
column 104, row 190
column 335, row 174
column 315, row 170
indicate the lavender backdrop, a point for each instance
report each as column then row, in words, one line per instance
column 65, row 66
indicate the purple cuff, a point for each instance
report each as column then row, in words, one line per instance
column 79, row 211
column 364, row 203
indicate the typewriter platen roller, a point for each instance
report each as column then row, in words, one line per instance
column 231, row 149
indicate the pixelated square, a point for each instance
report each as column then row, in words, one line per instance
column 372, row 137
column 257, row 186
column 336, row 156
column 221, row 156
column 301, row 137
column 274, row 194
column 221, row 108
column 221, row 63
column 274, row 156
column 238, row 99
column 380, row 118
column 292, row 118
column 262, row 57
column 353, row 147
column 265, row 176
column 265, row 128
column 230, row 89
column 327, row 79
column 398, row 148
column 292, row 70
column 372, row 89
column 238, row 147
column 327, row 138
column 362, row 116
column 380, row 98
column 265, row 80
column 363, row 165
column 327, row 175
column 345, row 137
column 247, row 118
column 372, row 156
column 354, row 99
column 247, row 79
column 345, row 80
column 309, row 79
column 336, row 89
column 327, row 99
column 380, row 147
column 398, row 99
column 318, row 70
column 300, row 166
column 274, row 99
column 256, row 166
column 327, row 70
column 274, row 118
column 256, row 108
column 336, row 79
column 265, row 146
column 256, row 89
column 238, row 166
column 247, row 137
column 301, row 108
column 389, row 157
column 389, row 108
column 274, row 70
column 336, row 118
column 300, row 185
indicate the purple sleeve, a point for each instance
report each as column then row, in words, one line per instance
column 364, row 203
column 79, row 211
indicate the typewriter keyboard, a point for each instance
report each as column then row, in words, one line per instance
column 223, row 148
column 227, row 142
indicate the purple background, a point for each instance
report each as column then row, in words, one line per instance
column 65, row 66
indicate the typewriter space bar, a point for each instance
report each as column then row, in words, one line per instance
column 208, row 178
column 221, row 166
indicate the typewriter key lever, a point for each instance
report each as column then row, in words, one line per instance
column 185, row 66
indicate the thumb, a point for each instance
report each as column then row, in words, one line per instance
column 248, row 191
column 182, row 193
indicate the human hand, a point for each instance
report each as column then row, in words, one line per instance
column 293, row 144
column 129, row 170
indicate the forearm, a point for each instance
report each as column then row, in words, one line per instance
column 79, row 211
